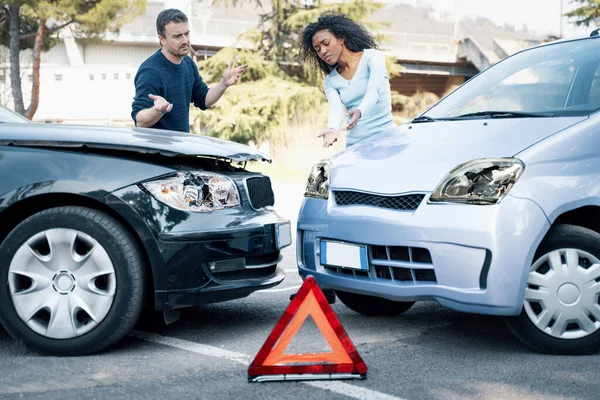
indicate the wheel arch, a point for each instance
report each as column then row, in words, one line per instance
column 12, row 215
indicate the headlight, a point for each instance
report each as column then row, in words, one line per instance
column 195, row 191
column 318, row 181
column 483, row 181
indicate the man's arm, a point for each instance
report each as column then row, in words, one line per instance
column 215, row 93
column 148, row 104
column 148, row 117
column 230, row 78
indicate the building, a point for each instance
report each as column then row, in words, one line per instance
column 88, row 81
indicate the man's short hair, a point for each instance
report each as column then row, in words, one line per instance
column 167, row 16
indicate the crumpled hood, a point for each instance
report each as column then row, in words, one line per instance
column 140, row 140
column 419, row 156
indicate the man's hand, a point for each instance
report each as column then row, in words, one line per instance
column 160, row 104
column 354, row 116
column 232, row 75
column 329, row 137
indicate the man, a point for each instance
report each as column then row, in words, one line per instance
column 168, row 81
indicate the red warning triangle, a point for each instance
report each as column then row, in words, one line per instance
column 272, row 363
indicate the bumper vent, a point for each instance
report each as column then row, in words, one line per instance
column 407, row 202
column 399, row 264
column 417, row 267
column 260, row 191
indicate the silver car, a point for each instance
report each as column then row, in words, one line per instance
column 488, row 202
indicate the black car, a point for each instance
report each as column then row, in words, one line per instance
column 98, row 224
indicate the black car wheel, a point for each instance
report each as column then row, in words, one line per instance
column 561, row 312
column 74, row 281
column 372, row 306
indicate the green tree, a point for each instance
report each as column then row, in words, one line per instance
column 35, row 24
column 277, row 90
column 587, row 14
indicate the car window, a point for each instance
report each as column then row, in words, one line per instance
column 7, row 115
column 562, row 78
column 595, row 88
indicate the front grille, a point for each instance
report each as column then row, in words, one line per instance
column 407, row 202
column 260, row 191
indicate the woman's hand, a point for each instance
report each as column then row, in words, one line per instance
column 329, row 137
column 354, row 116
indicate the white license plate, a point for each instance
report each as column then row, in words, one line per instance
column 284, row 235
column 344, row 255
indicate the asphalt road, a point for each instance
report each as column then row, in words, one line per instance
column 427, row 353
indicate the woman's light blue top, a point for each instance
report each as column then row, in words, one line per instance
column 368, row 91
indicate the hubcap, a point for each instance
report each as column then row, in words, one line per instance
column 568, row 294
column 562, row 297
column 62, row 283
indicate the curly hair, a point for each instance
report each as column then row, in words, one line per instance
column 356, row 38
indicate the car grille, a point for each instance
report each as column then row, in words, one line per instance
column 405, row 202
column 260, row 191
column 400, row 264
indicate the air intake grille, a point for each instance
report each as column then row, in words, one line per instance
column 405, row 203
column 260, row 191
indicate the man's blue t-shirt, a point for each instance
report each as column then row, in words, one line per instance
column 180, row 84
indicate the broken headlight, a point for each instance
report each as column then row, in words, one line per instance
column 195, row 191
column 483, row 181
column 318, row 181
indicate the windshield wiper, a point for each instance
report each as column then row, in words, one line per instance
column 423, row 118
column 505, row 114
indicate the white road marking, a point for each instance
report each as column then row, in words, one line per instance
column 342, row 388
column 193, row 347
column 291, row 270
column 278, row 290
column 349, row 390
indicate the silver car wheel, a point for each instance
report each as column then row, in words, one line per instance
column 563, row 289
column 62, row 283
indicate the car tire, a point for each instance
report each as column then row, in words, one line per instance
column 372, row 306
column 551, row 323
column 74, row 281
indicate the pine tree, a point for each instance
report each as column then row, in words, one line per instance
column 586, row 15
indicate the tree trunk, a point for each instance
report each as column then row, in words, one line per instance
column 37, row 55
column 15, row 50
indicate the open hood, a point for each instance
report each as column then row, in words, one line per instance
column 141, row 140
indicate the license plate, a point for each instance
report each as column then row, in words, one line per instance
column 344, row 255
column 284, row 235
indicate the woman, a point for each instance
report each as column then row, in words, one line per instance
column 356, row 80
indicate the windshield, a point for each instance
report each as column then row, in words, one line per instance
column 559, row 79
column 7, row 115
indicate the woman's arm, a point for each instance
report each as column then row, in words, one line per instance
column 336, row 115
column 336, row 108
column 378, row 82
